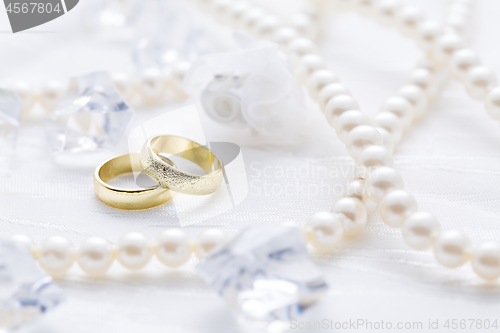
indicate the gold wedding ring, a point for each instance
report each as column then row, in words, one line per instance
column 174, row 179
column 123, row 198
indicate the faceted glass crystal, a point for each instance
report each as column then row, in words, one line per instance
column 25, row 291
column 94, row 115
column 10, row 116
column 265, row 274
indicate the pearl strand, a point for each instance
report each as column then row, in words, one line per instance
column 451, row 248
column 95, row 255
column 412, row 222
column 149, row 87
column 341, row 111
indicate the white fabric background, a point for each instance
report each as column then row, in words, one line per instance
column 450, row 161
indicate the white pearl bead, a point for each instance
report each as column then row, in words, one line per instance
column 479, row 81
column 303, row 24
column 371, row 158
column 318, row 80
column 420, row 230
column 125, row 85
column 338, row 105
column 401, row 108
column 458, row 22
column 387, row 139
column 462, row 61
column 382, row 181
column 329, row 91
column 283, row 36
column 51, row 94
column 386, row 11
column 492, row 103
column 440, row 73
column 390, row 122
column 396, row 206
column 179, row 71
column 95, row 256
column 348, row 121
column 425, row 79
column 26, row 243
column 427, row 34
column 452, row 248
column 173, row 247
column 152, row 85
column 324, row 230
column 360, row 138
column 300, row 47
column 266, row 26
column 486, row 260
column 308, row 64
column 365, row 7
column 25, row 92
column 134, row 250
column 353, row 215
column 251, row 16
column 208, row 241
column 356, row 189
column 56, row 255
column 417, row 98
column 446, row 45
column 407, row 20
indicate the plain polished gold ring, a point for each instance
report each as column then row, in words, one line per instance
column 175, row 179
column 132, row 199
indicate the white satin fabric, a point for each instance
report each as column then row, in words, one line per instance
column 450, row 161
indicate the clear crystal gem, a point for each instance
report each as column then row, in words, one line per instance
column 265, row 274
column 94, row 115
column 10, row 116
column 25, row 291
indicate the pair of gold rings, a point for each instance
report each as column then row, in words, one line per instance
column 162, row 170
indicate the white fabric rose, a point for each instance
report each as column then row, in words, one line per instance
column 254, row 86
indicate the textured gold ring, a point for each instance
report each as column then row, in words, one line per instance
column 132, row 199
column 175, row 179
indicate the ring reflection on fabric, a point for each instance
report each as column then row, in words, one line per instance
column 174, row 179
column 130, row 199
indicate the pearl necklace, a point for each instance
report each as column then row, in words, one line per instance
column 366, row 145
column 150, row 86
column 397, row 208
column 370, row 145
